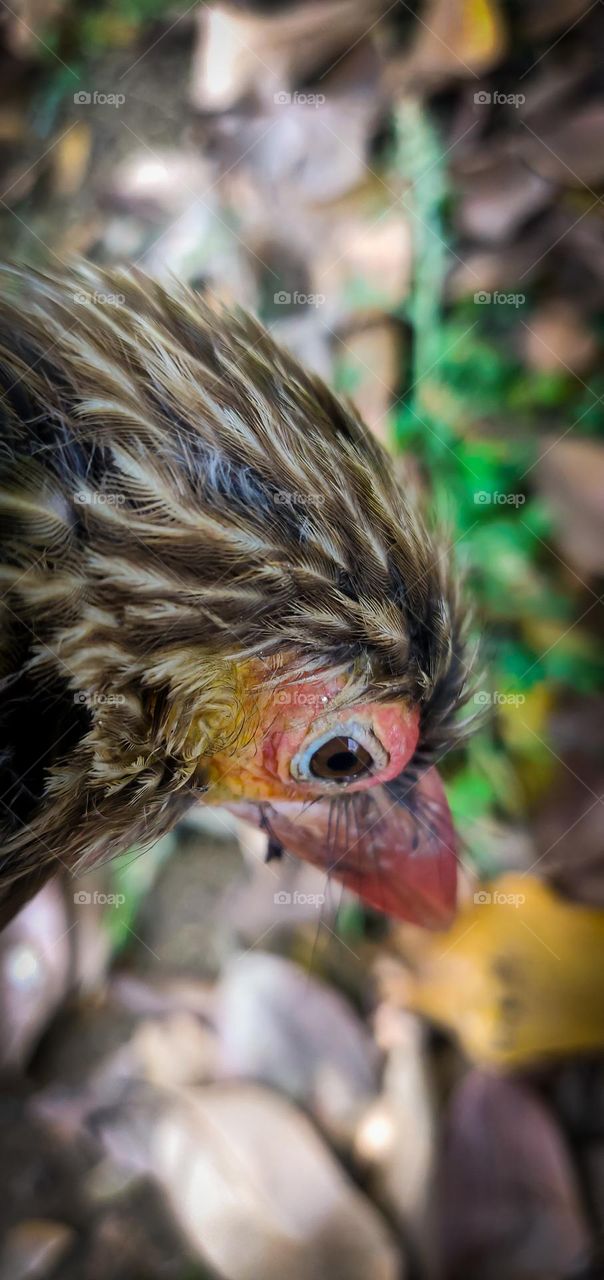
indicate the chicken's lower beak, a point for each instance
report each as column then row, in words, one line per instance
column 393, row 845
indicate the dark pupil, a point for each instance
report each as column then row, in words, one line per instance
column 341, row 759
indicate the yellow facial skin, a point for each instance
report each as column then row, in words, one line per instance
column 286, row 717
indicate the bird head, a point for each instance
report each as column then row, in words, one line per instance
column 214, row 548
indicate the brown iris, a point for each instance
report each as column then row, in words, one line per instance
column 342, row 759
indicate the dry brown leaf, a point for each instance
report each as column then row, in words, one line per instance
column 13, row 124
column 373, row 251
column 510, row 1202
column 559, row 339
column 570, row 475
column 34, row 972
column 456, row 38
column 241, row 52
column 33, row 1249
column 499, row 198
column 570, row 151
column 502, row 269
column 372, row 355
column 569, row 827
column 173, row 1051
column 28, row 20
column 279, row 1026
column 252, row 1186
column 539, row 21
column 396, row 1136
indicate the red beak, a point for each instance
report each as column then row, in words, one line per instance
column 393, row 845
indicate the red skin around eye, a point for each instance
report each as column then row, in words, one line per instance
column 395, row 726
column 292, row 715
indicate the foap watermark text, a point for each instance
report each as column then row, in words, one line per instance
column 287, row 498
column 86, row 499
column 86, row 698
column 97, row 98
column 495, row 97
column 300, row 698
column 283, row 298
column 486, row 698
column 285, row 99
column 100, row 299
column 297, row 899
column 487, row 897
column 496, row 298
column 83, row 898
column 487, row 498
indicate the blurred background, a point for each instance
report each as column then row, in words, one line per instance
column 214, row 1067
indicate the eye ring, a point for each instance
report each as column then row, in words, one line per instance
column 343, row 754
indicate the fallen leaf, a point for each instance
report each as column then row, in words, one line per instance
column 34, row 972
column 499, row 198
column 456, row 38
column 240, row 53
column 371, row 357
column 279, row 1026
column 33, row 1249
column 518, row 977
column 173, row 1051
column 570, row 151
column 558, row 339
column 27, row 21
column 396, row 1136
column 570, row 476
column 510, row 1202
column 539, row 21
column 486, row 271
column 70, row 160
column 569, row 826
column 252, row 1186
column 371, row 257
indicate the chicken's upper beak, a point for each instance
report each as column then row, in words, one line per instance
column 394, row 845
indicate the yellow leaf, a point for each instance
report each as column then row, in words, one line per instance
column 523, row 717
column 70, row 160
column 481, row 31
column 461, row 37
column 519, row 976
column 544, row 634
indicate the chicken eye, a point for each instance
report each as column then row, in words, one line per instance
column 343, row 754
column 341, row 759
